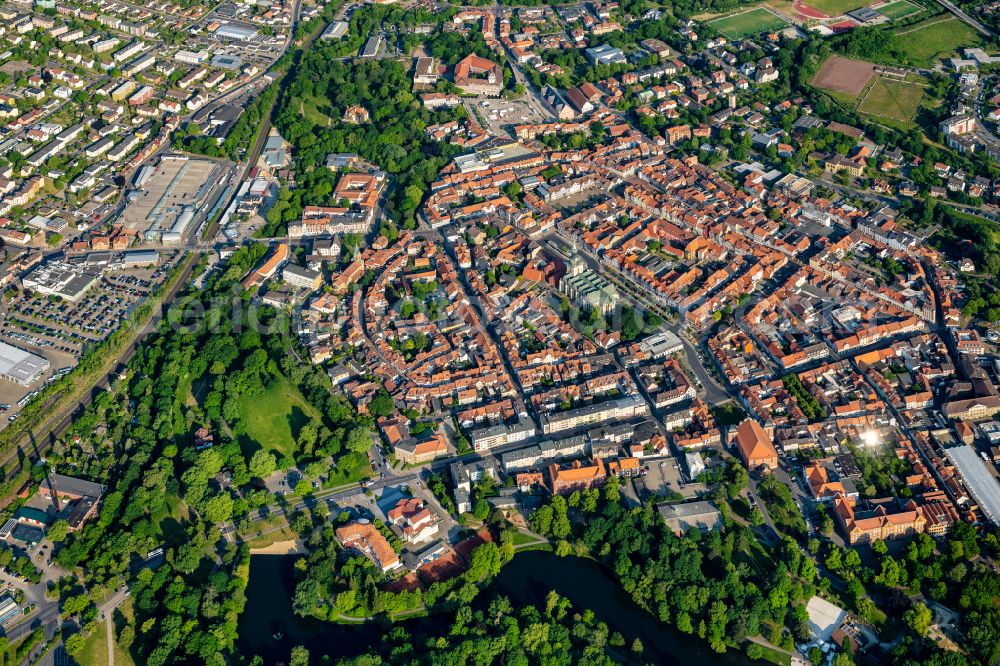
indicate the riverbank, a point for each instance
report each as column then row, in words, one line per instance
column 291, row 547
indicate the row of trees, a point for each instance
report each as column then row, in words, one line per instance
column 807, row 401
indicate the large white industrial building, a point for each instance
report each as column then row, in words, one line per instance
column 20, row 366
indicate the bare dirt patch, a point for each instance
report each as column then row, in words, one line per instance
column 844, row 75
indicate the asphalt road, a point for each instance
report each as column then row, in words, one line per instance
column 282, row 508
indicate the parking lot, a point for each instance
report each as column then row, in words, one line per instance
column 11, row 393
column 664, row 477
column 60, row 330
column 499, row 113
column 69, row 326
column 63, row 326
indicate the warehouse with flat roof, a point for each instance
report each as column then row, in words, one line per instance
column 168, row 199
column 19, row 366
column 977, row 479
column 242, row 32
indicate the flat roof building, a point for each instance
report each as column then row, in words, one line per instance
column 225, row 61
column 335, row 30
column 704, row 516
column 8, row 608
column 305, row 278
column 57, row 278
column 20, row 366
column 372, row 46
column 824, row 617
column 977, row 478
column 236, row 32
column 605, row 55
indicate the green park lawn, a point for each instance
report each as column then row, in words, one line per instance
column 274, row 418
column 776, row 656
column 314, row 110
column 933, row 39
column 95, row 647
column 124, row 613
column 752, row 22
column 170, row 521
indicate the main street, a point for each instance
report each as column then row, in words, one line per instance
column 711, row 390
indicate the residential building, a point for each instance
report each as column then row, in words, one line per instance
column 464, row 475
column 304, row 278
column 628, row 407
column 501, row 435
column 365, row 538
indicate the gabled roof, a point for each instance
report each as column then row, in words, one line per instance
column 754, row 443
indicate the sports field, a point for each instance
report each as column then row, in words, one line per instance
column 752, row 22
column 837, row 7
column 935, row 38
column 899, row 9
column 896, row 100
column 844, row 75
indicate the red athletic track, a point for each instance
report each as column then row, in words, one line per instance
column 805, row 11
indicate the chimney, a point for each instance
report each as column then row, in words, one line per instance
column 52, row 489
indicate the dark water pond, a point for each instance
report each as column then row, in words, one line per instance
column 526, row 579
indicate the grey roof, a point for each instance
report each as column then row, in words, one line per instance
column 19, row 364
column 981, row 484
column 70, row 485
column 681, row 517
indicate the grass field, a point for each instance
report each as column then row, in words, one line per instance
column 776, row 656
column 274, row 418
column 837, row 7
column 899, row 9
column 313, row 108
column 95, row 647
column 122, row 656
column 752, row 22
column 896, row 100
column 935, row 38
column 169, row 522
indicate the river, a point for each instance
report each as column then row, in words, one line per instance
column 526, row 579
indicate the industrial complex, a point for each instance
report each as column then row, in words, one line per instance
column 167, row 196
